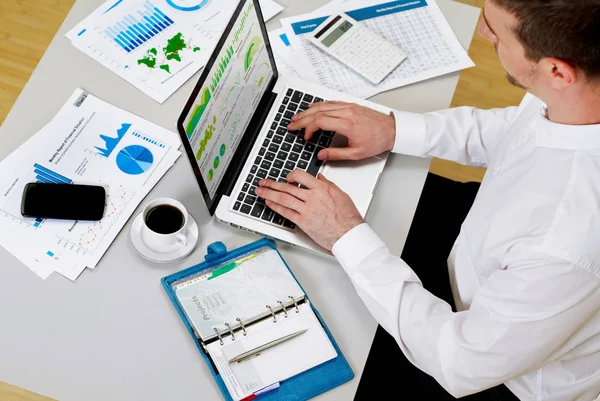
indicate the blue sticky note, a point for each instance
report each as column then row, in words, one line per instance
column 284, row 39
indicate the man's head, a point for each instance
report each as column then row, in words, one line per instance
column 546, row 46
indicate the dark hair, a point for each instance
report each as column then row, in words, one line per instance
column 565, row 29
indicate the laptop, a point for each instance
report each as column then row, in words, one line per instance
column 234, row 130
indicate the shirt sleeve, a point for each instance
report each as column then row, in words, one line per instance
column 465, row 135
column 517, row 319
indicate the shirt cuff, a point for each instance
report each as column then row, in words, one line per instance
column 410, row 133
column 355, row 246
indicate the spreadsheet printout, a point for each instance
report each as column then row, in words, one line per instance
column 418, row 27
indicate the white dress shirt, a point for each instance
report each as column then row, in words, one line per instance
column 524, row 270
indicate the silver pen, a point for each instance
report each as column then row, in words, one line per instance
column 256, row 351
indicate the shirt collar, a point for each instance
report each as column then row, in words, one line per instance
column 561, row 136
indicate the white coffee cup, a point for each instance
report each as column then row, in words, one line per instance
column 164, row 243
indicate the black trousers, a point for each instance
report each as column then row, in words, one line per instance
column 443, row 206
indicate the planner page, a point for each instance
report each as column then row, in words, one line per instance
column 240, row 289
column 277, row 363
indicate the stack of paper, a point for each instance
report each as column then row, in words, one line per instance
column 418, row 27
column 156, row 45
column 88, row 142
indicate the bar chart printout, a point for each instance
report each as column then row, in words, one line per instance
column 138, row 28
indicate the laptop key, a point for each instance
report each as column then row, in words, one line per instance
column 300, row 139
column 260, row 200
column 252, row 191
column 257, row 160
column 265, row 164
column 324, row 141
column 268, row 214
column 284, row 123
column 278, row 117
column 285, row 173
column 286, row 147
column 290, row 165
column 278, row 219
column 270, row 156
column 278, row 163
column 289, row 92
column 282, row 130
column 297, row 148
column 317, row 100
column 250, row 199
column 249, row 178
column 303, row 106
column 302, row 164
column 282, row 155
column 237, row 205
column 316, row 136
column 308, row 98
column 309, row 147
column 266, row 142
column 270, row 134
column 262, row 151
column 297, row 96
column 289, row 224
column 313, row 166
column 306, row 156
column 294, row 156
column 290, row 138
column 274, row 125
column 281, row 108
column 275, row 172
column 293, row 107
column 261, row 173
column 253, row 169
column 241, row 196
column 286, row 100
column 273, row 148
column 245, row 209
column 277, row 139
column 288, row 114
column 256, row 181
column 245, row 187
column 257, row 211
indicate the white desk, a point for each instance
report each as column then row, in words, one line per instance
column 113, row 334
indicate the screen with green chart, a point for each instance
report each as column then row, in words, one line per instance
column 224, row 106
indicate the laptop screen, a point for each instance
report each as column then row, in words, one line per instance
column 231, row 92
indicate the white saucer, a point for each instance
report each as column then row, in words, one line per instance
column 163, row 257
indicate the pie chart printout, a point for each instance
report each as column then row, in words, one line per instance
column 134, row 160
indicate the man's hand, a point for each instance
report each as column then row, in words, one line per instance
column 323, row 211
column 369, row 132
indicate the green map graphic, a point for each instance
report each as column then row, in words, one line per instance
column 208, row 133
column 251, row 51
column 197, row 113
column 172, row 51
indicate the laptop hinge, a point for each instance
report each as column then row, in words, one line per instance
column 247, row 143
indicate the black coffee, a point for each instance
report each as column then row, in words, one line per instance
column 164, row 219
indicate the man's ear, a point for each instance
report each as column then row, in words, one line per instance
column 561, row 74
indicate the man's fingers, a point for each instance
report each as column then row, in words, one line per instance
column 339, row 154
column 320, row 107
column 326, row 123
column 304, row 120
column 289, row 214
column 281, row 198
column 303, row 178
column 283, row 187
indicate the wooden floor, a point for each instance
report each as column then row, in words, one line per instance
column 28, row 26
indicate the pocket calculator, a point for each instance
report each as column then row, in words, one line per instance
column 357, row 46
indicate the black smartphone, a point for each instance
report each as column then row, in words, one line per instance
column 63, row 201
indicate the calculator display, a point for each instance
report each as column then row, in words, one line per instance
column 337, row 33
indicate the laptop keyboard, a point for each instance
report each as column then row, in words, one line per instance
column 282, row 152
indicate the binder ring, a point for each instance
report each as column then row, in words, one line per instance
column 272, row 313
column 295, row 303
column 219, row 335
column 283, row 308
column 241, row 325
column 230, row 331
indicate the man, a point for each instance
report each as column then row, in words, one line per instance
column 525, row 268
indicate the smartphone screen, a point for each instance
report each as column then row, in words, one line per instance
column 63, row 201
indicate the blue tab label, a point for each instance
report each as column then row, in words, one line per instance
column 362, row 14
